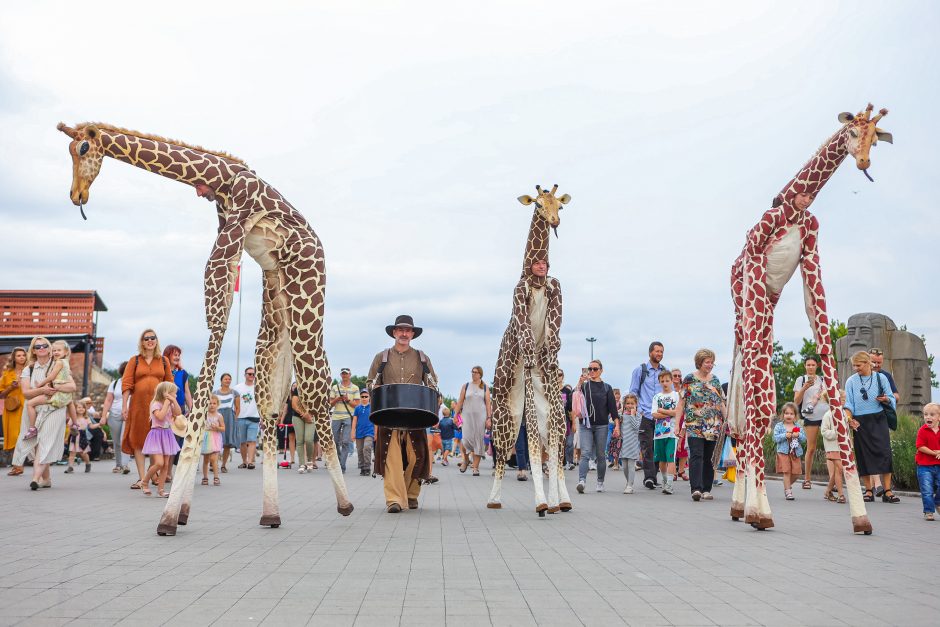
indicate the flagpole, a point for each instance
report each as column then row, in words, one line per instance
column 238, row 349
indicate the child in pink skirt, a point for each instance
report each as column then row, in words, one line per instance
column 160, row 443
column 212, row 441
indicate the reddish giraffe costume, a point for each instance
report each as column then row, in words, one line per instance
column 786, row 237
column 525, row 378
column 255, row 218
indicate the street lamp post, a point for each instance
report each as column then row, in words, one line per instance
column 591, row 340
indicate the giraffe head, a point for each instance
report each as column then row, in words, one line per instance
column 87, row 154
column 861, row 133
column 547, row 205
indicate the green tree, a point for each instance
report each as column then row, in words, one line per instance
column 787, row 367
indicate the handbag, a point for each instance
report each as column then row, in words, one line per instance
column 11, row 403
column 891, row 415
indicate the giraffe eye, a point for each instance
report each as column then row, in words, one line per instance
column 853, row 132
column 83, row 149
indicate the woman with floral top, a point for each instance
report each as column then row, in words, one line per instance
column 702, row 405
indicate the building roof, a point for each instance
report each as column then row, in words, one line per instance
column 40, row 312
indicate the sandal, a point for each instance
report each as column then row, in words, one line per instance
column 522, row 476
column 16, row 471
column 828, row 496
column 841, row 499
column 462, row 467
column 224, row 469
column 205, row 481
column 807, row 485
column 164, row 495
column 116, row 469
column 251, row 466
column 476, row 472
column 216, row 481
column 137, row 486
column 146, row 491
column 889, row 499
column 243, row 465
column 869, row 496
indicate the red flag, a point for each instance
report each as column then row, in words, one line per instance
column 238, row 276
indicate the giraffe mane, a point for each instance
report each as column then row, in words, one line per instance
column 117, row 129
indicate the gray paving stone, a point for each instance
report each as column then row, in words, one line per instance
column 452, row 561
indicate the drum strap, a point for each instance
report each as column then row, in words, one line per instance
column 424, row 366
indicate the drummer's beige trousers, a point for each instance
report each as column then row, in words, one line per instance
column 400, row 485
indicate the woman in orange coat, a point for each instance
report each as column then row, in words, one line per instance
column 12, row 397
column 141, row 376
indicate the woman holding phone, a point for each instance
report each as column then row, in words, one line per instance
column 807, row 394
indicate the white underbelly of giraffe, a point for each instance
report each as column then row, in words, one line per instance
column 783, row 257
column 260, row 243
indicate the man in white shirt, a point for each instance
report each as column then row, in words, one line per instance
column 248, row 419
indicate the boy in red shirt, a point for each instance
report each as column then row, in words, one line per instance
column 928, row 459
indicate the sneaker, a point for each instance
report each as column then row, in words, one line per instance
column 303, row 469
column 707, row 496
column 600, row 486
column 592, row 466
column 580, row 487
column 628, row 489
column 718, row 482
column 650, row 484
column 667, row 489
column 696, row 496
column 928, row 516
column 126, row 471
column 87, row 467
column 789, row 495
column 363, row 473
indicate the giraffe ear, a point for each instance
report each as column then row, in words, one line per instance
column 526, row 200
column 846, row 117
column 565, row 199
column 884, row 136
column 91, row 131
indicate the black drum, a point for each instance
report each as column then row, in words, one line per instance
column 404, row 406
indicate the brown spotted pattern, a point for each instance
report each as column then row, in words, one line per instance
column 254, row 218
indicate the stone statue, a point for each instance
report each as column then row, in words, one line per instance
column 905, row 357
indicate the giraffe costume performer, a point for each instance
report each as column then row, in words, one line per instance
column 253, row 217
column 525, row 380
column 786, row 237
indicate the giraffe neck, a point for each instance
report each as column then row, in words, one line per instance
column 536, row 247
column 184, row 164
column 820, row 167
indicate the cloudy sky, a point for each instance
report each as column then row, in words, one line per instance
column 408, row 132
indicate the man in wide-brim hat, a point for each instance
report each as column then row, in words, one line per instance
column 401, row 455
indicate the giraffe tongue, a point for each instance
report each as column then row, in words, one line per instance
column 869, row 176
column 555, row 230
column 81, row 208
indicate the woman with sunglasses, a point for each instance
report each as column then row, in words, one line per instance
column 475, row 408
column 51, row 421
column 867, row 393
column 143, row 373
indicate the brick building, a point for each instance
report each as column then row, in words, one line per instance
column 58, row 315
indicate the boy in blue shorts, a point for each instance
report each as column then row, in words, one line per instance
column 447, row 428
column 663, row 409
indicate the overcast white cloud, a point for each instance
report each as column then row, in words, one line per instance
column 413, row 129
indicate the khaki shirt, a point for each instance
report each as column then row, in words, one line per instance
column 402, row 368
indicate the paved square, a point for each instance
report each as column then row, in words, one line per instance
column 86, row 553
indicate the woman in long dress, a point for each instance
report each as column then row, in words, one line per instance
column 51, row 421
column 475, row 408
column 229, row 405
column 144, row 371
column 13, row 403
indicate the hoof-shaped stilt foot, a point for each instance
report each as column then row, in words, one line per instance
column 861, row 524
column 737, row 511
column 270, row 520
column 345, row 510
column 166, row 530
column 763, row 523
column 184, row 515
column 542, row 513
column 565, row 507
column 554, row 510
column 494, row 505
column 541, row 508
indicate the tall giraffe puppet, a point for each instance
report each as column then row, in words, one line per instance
column 255, row 218
column 526, row 373
column 786, row 237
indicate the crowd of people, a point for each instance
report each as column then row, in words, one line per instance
column 666, row 426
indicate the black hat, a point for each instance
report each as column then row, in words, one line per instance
column 403, row 321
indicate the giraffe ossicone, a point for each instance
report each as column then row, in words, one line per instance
column 253, row 218
column 785, row 238
column 525, row 378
